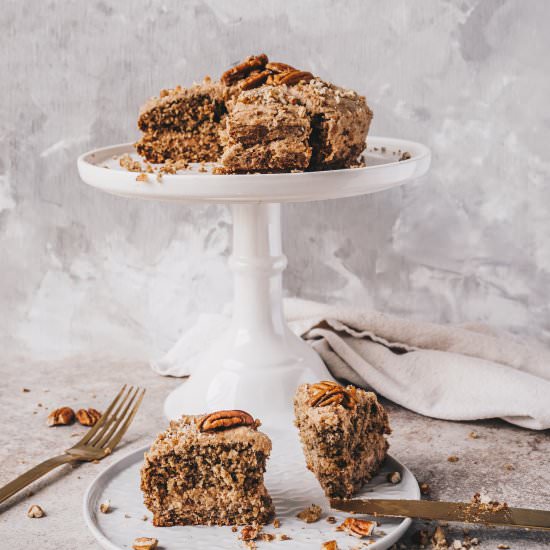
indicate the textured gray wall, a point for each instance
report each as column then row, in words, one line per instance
column 83, row 272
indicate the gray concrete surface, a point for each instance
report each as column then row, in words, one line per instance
column 422, row 444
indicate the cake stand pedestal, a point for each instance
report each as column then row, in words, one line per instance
column 259, row 362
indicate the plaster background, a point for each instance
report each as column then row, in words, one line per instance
column 83, row 273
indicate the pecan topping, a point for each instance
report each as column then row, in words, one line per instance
column 88, row 417
column 225, row 420
column 329, row 393
column 357, row 527
column 279, row 67
column 254, row 80
column 244, row 69
column 61, row 417
column 293, row 77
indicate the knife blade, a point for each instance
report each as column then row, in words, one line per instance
column 463, row 512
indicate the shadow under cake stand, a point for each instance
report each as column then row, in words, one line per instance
column 259, row 362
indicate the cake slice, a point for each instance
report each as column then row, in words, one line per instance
column 340, row 121
column 266, row 130
column 182, row 124
column 208, row 470
column 342, row 432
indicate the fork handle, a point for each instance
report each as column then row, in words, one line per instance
column 32, row 475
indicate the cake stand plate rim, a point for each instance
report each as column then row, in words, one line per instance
column 99, row 169
column 98, row 484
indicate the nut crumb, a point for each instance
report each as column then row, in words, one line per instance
column 60, row 417
column 88, row 417
column 35, row 512
column 452, row 458
column 282, row 536
column 329, row 545
column 357, row 527
column 105, row 507
column 394, row 477
column 310, row 514
column 145, row 543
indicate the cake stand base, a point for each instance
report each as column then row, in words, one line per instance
column 258, row 364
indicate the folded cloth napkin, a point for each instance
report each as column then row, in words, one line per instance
column 464, row 372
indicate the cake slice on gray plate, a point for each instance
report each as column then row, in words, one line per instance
column 208, row 470
column 342, row 429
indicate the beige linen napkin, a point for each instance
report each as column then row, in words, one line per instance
column 464, row 372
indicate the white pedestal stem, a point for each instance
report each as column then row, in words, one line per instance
column 259, row 363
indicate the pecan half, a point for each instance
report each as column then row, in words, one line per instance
column 329, row 393
column 357, row 527
column 244, row 69
column 61, row 417
column 88, row 417
column 224, row 420
column 293, row 77
column 279, row 67
column 254, row 80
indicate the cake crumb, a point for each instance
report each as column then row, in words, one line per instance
column 35, row 511
column 331, row 519
column 234, row 529
column 282, row 536
column 105, row 507
column 249, row 532
column 310, row 514
column 439, row 539
column 142, row 177
column 394, row 477
column 452, row 458
column 267, row 537
column 25, row 390
column 503, row 547
column 473, row 435
column 405, row 156
column 276, row 523
column 127, row 162
column 509, row 467
column 329, row 545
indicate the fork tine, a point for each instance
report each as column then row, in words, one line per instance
column 113, row 419
column 107, row 433
column 94, row 429
column 118, row 436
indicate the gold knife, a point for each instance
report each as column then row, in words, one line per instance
column 463, row 512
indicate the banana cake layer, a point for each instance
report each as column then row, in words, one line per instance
column 342, row 431
column 215, row 477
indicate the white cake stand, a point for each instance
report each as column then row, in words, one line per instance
column 259, row 362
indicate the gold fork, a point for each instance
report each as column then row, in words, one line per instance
column 98, row 442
